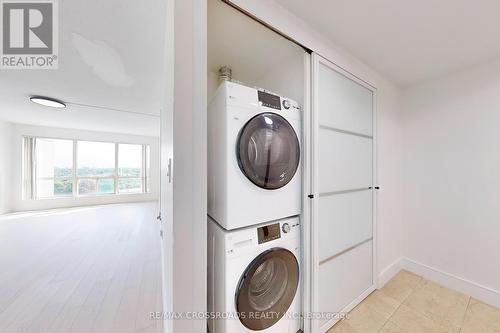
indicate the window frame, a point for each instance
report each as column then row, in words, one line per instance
column 30, row 178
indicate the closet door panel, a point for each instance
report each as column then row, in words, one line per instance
column 343, row 169
column 345, row 161
column 345, row 220
column 343, row 279
column 345, row 104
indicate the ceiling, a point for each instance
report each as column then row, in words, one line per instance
column 112, row 51
column 405, row 40
column 110, row 57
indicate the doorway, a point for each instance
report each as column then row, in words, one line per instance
column 79, row 184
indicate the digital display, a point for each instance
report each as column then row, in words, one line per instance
column 268, row 233
column 269, row 100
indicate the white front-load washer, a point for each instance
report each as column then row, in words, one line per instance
column 254, row 156
column 254, row 278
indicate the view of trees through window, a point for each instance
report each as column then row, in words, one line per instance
column 54, row 167
column 129, row 168
column 96, row 167
column 100, row 168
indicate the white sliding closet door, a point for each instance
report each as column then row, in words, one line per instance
column 342, row 184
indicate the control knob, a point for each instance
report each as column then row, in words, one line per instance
column 286, row 104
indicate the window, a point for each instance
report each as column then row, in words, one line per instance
column 96, row 167
column 65, row 168
column 130, row 168
column 53, row 168
column 147, row 183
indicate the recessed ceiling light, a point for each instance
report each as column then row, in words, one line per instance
column 47, row 101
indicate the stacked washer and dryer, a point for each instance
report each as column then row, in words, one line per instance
column 254, row 199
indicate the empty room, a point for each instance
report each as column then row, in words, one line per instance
column 79, row 186
column 249, row 166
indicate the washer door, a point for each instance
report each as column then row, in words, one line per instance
column 267, row 289
column 268, row 151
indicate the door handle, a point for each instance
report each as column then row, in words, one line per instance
column 169, row 170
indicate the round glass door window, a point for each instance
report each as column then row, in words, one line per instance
column 267, row 289
column 268, row 151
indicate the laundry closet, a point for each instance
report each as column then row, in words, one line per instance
column 291, row 181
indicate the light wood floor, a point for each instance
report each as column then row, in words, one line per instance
column 409, row 303
column 91, row 269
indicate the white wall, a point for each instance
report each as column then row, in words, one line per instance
column 262, row 58
column 389, row 134
column 390, row 195
column 19, row 130
column 5, row 166
column 451, row 172
column 287, row 79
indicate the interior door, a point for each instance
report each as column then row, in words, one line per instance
column 342, row 185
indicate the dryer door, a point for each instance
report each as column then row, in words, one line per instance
column 268, row 151
column 267, row 288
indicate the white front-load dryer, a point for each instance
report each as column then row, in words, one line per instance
column 254, row 156
column 254, row 278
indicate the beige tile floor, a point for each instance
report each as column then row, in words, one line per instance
column 410, row 303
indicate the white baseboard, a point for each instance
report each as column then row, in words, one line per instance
column 454, row 282
column 389, row 272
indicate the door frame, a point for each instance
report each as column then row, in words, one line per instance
column 166, row 155
column 183, row 178
column 307, row 210
column 311, row 233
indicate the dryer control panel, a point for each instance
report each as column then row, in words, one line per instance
column 269, row 100
column 268, row 233
column 258, row 99
column 277, row 230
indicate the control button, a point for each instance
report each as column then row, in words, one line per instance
column 286, row 104
column 286, row 228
